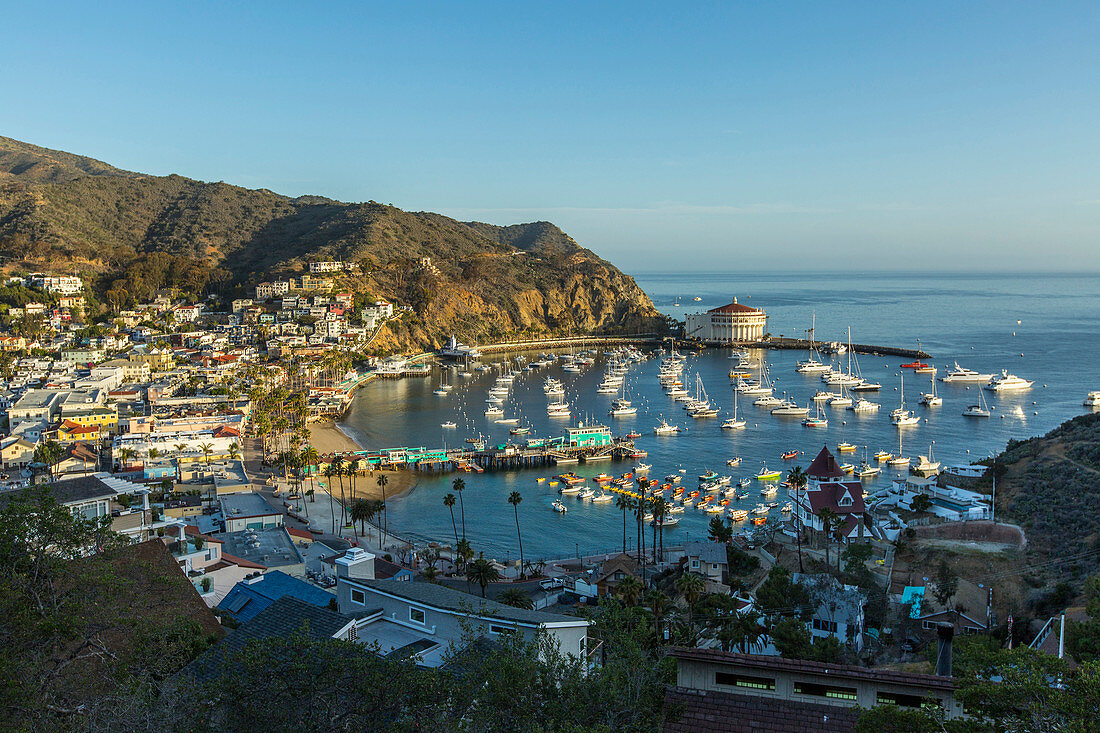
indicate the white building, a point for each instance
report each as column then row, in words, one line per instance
column 316, row 267
column 63, row 284
column 728, row 324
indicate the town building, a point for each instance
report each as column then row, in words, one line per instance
column 827, row 488
column 733, row 323
column 588, row 436
column 62, row 284
column 839, row 611
column 248, row 511
column 330, row 266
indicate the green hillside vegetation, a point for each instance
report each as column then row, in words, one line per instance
column 1050, row 486
column 70, row 213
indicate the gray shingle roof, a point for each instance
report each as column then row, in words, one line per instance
column 440, row 596
column 81, row 489
column 708, row 552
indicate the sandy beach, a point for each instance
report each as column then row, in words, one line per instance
column 327, row 438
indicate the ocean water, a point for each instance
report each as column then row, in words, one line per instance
column 1041, row 327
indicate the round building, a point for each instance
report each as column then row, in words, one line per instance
column 731, row 323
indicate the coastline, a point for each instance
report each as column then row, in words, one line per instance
column 327, row 437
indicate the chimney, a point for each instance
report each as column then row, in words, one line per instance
column 356, row 564
column 945, row 632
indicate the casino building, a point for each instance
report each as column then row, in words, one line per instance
column 728, row 324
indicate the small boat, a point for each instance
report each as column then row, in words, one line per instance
column 1092, row 399
column 522, row 430
column 541, row 480
column 863, row 405
column 559, row 507
column 744, row 482
column 931, row 399
column 846, row 447
column 567, row 490
column 883, row 455
column 632, row 435
column 787, row 508
column 449, row 425
column 507, row 421
column 642, row 468
column 759, row 520
column 603, row 478
column 926, row 465
column 587, row 493
column 738, row 515
column 790, row 455
column 708, row 476
column 723, row 480
column 602, row 498
column 979, row 410
column 866, row 470
column 915, row 365
column 734, row 462
column 767, row 475
column 714, row 509
column 847, row 467
column 665, row 429
column 898, row 461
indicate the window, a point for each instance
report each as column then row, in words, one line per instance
column 498, row 629
column 358, row 596
column 905, row 701
column 831, row 691
column 823, row 625
column 416, row 615
column 695, row 563
column 744, row 680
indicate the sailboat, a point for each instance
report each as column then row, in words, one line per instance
column 812, row 365
column 979, row 410
column 931, row 399
column 701, row 406
column 817, row 421
column 902, row 417
column 899, row 460
column 926, row 465
column 734, row 423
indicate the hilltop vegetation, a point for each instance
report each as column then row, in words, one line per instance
column 72, row 213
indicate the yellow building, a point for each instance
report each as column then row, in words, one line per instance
column 106, row 419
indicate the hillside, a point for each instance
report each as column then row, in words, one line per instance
column 1050, row 486
column 135, row 233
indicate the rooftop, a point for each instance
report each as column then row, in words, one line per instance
column 237, row 506
column 251, row 596
column 270, row 547
column 735, row 307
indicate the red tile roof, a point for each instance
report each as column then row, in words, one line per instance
column 824, row 466
column 242, row 562
column 830, row 493
column 734, row 307
column 707, row 711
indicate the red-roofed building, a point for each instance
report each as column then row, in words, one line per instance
column 732, row 323
column 827, row 489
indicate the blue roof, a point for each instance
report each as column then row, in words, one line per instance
column 245, row 600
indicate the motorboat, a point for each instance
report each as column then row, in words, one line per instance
column 622, row 408
column 521, row 430
column 863, row 405
column 708, row 476
column 1005, row 382
column 789, row 455
column 602, row 498
column 865, row 385
column 791, row 409
column 866, row 470
column 744, row 483
column 666, row 429
column 1092, row 399
column 642, row 468
column 840, row 400
column 734, row 462
column 768, row 401
column 493, row 411
column 962, row 374
column 766, row 474
column 926, row 465
column 449, row 425
column 559, row 507
column 570, row 489
column 824, row 396
column 586, row 493
column 883, row 455
column 845, row 448
column 738, row 515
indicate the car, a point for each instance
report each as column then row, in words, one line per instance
column 551, row 583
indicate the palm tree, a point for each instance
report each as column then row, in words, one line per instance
column 657, row 602
column 154, row 454
column 180, row 448
column 463, row 552
column 361, row 511
column 797, row 480
column 691, row 587
column 514, row 499
column 338, row 472
column 234, row 451
column 207, row 449
column 516, row 598
column 482, row 572
column 629, row 589
column 829, row 520
column 430, row 573
column 330, row 471
column 124, row 455
column 624, row 502
column 660, row 510
column 460, row 486
column 382, row 481
column 449, row 502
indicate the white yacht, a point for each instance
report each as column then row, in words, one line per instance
column 734, row 423
column 926, row 465
column 978, row 410
column 1092, row 399
column 1005, row 382
column 791, row 409
column 824, row 396
column 862, row 405
column 449, row 425
column 962, row 374
column 665, row 429
column 902, row 417
column 622, row 408
column 767, row 401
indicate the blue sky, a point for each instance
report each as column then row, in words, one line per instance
column 924, row 136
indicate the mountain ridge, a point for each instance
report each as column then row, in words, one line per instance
column 131, row 233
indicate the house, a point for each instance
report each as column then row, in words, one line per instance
column 281, row 619
column 78, row 458
column 316, row 283
column 270, row 548
column 318, row 267
column 826, row 488
column 255, row 593
column 248, row 511
column 612, row 572
column 709, row 560
column 718, row 690
column 839, row 611
column 16, row 452
column 428, row 620
column 183, row 507
column 969, row 610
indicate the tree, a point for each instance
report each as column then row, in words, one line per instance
column 482, row 572
column 829, row 521
column 207, row 449
column 792, row 639
column 516, row 598
column 921, row 503
column 797, row 479
column 125, row 455
column 719, row 530
column 330, row 471
column 362, row 511
column 660, row 511
column 430, row 573
column 855, row 557
column 459, row 486
column 779, row 596
column 629, row 589
column 449, row 502
column 514, row 499
column 382, row 481
column 945, row 584
column 658, row 603
column 691, row 587
column 50, row 453
column 625, row 503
